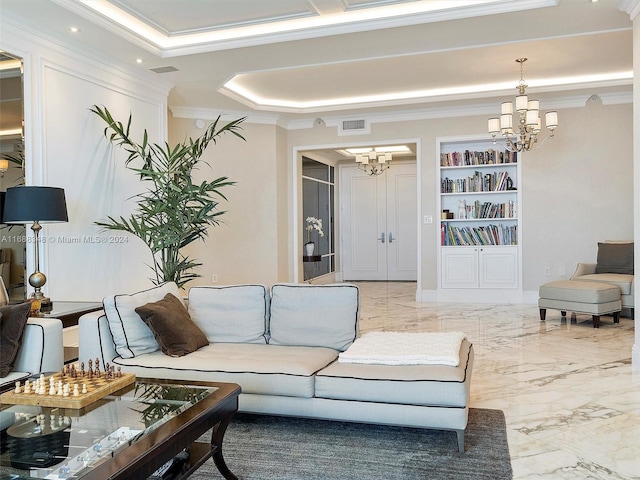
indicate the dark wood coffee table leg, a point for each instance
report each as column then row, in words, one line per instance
column 217, row 437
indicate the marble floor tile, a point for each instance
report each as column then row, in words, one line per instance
column 571, row 400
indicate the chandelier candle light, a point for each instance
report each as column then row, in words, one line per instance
column 524, row 136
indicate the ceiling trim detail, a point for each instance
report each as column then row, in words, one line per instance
column 117, row 20
column 402, row 98
column 573, row 101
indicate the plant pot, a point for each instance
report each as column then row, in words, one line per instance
column 309, row 247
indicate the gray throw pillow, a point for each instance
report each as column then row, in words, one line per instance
column 615, row 258
column 13, row 319
column 172, row 326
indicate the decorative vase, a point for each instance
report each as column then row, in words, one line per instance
column 309, row 247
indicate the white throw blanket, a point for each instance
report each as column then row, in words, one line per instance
column 405, row 348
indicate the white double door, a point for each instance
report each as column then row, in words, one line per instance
column 378, row 223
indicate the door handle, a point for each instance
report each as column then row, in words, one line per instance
column 390, row 237
column 381, row 237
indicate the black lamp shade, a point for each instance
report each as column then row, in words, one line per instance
column 28, row 204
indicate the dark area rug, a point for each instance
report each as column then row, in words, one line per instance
column 267, row 447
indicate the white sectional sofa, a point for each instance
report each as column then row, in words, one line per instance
column 41, row 351
column 282, row 346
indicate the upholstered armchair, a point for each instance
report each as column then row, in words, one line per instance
column 614, row 265
column 41, row 350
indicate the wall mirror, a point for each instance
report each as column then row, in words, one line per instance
column 12, row 238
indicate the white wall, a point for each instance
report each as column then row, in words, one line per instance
column 65, row 147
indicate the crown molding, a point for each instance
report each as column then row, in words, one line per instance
column 212, row 114
column 632, row 7
column 573, row 101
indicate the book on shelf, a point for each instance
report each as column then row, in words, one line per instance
column 471, row 157
column 479, row 236
column 478, row 182
column 481, row 210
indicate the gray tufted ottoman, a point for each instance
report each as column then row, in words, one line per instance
column 593, row 298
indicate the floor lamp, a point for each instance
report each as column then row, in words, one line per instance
column 36, row 205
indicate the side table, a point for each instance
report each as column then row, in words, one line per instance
column 311, row 259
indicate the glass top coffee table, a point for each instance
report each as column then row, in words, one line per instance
column 129, row 434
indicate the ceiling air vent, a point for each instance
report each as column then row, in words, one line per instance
column 166, row 69
column 353, row 127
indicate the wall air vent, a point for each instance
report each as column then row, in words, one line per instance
column 164, row 69
column 353, row 127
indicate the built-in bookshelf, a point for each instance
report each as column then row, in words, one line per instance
column 478, row 204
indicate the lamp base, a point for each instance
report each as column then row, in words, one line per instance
column 46, row 305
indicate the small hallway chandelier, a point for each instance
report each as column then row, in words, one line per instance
column 524, row 135
column 373, row 162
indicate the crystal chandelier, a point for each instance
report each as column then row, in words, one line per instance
column 524, row 135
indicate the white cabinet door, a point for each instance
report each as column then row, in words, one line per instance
column 459, row 267
column 498, row 267
column 479, row 267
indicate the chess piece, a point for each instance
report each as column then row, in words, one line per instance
column 76, row 390
column 27, row 387
column 17, row 390
column 84, row 388
column 82, row 369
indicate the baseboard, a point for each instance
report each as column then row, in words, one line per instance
column 471, row 295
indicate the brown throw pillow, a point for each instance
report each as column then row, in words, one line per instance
column 13, row 319
column 615, row 258
column 172, row 326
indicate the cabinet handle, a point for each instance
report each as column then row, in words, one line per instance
column 390, row 237
column 381, row 237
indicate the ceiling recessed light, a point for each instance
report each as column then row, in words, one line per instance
column 74, row 29
column 139, row 60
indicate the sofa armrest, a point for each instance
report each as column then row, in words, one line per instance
column 95, row 337
column 42, row 348
column 584, row 269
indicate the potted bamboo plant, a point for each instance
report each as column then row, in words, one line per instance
column 174, row 211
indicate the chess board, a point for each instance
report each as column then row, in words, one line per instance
column 97, row 387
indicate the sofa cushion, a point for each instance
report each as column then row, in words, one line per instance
column 434, row 385
column 130, row 334
column 622, row 281
column 231, row 314
column 314, row 315
column 172, row 326
column 257, row 368
column 615, row 258
column 13, row 319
